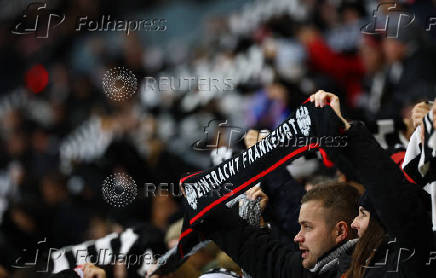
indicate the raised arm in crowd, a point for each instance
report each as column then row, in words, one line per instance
column 386, row 220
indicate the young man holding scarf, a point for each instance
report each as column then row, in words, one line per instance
column 324, row 242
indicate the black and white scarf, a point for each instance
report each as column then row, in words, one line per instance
column 420, row 159
column 307, row 129
column 220, row 273
column 137, row 247
column 331, row 260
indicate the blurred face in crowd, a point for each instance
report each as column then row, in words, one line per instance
column 372, row 56
column 361, row 222
column 394, row 50
column 163, row 207
column 317, row 236
column 254, row 136
column 277, row 91
column 350, row 15
column 16, row 144
column 53, row 192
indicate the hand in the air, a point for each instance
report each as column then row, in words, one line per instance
column 419, row 112
column 91, row 271
column 322, row 98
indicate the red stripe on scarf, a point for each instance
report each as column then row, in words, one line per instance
column 247, row 183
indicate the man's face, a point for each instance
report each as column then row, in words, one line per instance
column 316, row 237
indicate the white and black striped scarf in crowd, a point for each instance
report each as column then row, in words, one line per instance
column 307, row 129
column 420, row 159
column 389, row 133
column 219, row 273
column 138, row 248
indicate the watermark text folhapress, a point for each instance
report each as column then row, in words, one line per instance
column 107, row 24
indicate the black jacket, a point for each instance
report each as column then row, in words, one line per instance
column 258, row 252
column 402, row 208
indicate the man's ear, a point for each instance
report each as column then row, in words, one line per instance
column 341, row 231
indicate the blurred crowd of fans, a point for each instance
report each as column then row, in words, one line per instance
column 58, row 146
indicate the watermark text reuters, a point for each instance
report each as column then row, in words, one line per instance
column 188, row 83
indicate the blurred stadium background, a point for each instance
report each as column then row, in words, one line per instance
column 60, row 139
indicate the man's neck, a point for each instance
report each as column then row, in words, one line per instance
column 330, row 259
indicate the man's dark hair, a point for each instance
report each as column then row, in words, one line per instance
column 340, row 199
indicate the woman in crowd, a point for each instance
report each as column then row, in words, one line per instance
column 393, row 225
